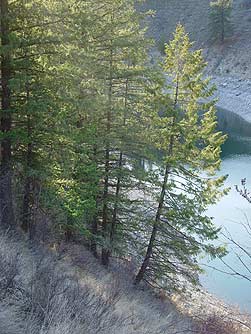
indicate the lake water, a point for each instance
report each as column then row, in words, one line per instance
column 231, row 212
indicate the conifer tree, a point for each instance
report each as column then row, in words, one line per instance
column 81, row 107
column 73, row 185
column 33, row 98
column 32, row 102
column 184, row 131
column 221, row 26
column 6, row 201
column 116, row 47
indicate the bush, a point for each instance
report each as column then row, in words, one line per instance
column 8, row 268
column 216, row 324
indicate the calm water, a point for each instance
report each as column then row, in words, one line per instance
column 231, row 212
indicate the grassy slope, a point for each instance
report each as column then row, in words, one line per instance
column 67, row 291
column 70, row 293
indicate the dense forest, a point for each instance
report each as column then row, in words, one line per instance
column 101, row 145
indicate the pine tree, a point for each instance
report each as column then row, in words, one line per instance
column 81, row 107
column 33, row 100
column 6, row 201
column 221, row 26
column 184, row 132
column 28, row 95
column 33, row 106
column 116, row 46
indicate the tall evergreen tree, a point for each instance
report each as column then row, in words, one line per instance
column 80, row 107
column 33, row 100
column 184, row 130
column 116, row 47
column 6, row 201
column 33, row 106
column 220, row 15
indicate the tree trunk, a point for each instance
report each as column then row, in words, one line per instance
column 105, row 250
column 118, row 184
column 26, row 208
column 26, row 219
column 94, row 223
column 94, row 232
column 68, row 232
column 115, row 209
column 26, row 215
column 149, row 252
column 6, row 201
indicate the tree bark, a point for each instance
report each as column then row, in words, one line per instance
column 105, row 250
column 118, row 184
column 94, row 232
column 94, row 223
column 6, row 201
column 26, row 219
column 68, row 232
column 115, row 209
column 26, row 207
column 149, row 252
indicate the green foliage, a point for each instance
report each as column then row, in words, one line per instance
column 87, row 108
column 190, row 148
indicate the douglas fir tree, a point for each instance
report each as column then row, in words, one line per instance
column 182, row 127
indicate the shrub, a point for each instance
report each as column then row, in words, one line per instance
column 215, row 324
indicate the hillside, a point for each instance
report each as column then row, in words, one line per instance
column 109, row 165
column 229, row 65
column 233, row 58
column 64, row 290
column 69, row 292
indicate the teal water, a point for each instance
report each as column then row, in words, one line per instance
column 230, row 213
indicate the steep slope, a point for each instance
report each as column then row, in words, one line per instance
column 233, row 58
column 68, row 292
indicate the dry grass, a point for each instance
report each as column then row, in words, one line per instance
column 215, row 324
column 40, row 294
column 68, row 292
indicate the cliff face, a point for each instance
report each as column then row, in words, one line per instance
column 231, row 59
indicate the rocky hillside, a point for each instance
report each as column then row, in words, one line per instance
column 232, row 59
